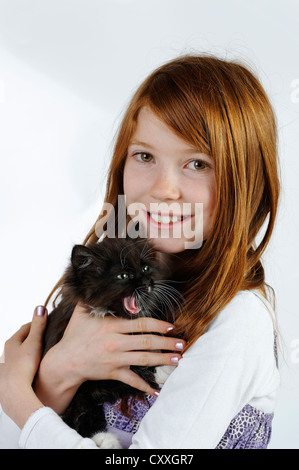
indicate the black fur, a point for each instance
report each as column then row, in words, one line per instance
column 102, row 275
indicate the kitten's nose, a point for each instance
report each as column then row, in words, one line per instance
column 148, row 285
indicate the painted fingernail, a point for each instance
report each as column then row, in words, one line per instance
column 157, row 393
column 170, row 328
column 175, row 360
column 40, row 311
column 179, row 345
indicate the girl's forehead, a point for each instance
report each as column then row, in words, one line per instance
column 152, row 134
column 146, row 116
column 151, row 131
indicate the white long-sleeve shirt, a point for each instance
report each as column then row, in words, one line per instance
column 231, row 366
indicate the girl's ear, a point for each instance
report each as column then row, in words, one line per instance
column 81, row 256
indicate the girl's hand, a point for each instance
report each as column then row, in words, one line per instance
column 22, row 354
column 103, row 349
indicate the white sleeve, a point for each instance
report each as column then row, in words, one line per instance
column 9, row 432
column 45, row 430
column 229, row 366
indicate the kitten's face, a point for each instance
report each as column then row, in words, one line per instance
column 119, row 275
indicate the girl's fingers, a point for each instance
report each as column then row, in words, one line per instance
column 20, row 336
column 145, row 342
column 144, row 325
column 130, row 378
column 38, row 323
column 150, row 359
column 35, row 328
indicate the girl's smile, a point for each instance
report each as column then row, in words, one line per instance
column 166, row 220
column 172, row 182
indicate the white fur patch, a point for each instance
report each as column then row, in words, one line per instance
column 106, row 440
column 162, row 373
column 100, row 312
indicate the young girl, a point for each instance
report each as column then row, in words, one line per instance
column 198, row 130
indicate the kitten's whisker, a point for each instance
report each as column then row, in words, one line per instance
column 166, row 293
column 145, row 308
column 163, row 298
column 132, row 247
column 167, row 299
column 172, row 281
column 173, row 290
column 148, row 249
column 144, row 299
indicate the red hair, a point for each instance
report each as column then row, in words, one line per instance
column 222, row 109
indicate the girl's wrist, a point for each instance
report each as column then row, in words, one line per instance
column 54, row 384
column 60, row 370
column 21, row 404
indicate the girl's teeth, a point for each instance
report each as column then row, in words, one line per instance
column 165, row 219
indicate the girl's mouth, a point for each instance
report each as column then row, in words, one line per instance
column 166, row 220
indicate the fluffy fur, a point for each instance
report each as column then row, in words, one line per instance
column 119, row 277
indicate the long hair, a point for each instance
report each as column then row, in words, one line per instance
column 221, row 108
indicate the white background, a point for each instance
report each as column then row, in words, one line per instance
column 67, row 71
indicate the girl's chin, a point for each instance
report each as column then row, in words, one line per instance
column 168, row 245
column 174, row 245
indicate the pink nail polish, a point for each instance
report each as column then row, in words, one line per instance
column 40, row 311
column 175, row 360
column 179, row 345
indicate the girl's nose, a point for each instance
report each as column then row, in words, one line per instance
column 165, row 186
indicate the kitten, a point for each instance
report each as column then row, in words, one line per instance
column 120, row 277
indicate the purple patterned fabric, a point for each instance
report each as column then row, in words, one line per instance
column 250, row 428
column 139, row 408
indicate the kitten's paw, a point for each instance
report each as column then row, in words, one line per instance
column 106, row 440
column 162, row 373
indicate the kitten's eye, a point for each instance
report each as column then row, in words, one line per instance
column 145, row 268
column 122, row 276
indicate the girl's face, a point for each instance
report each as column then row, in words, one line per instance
column 171, row 184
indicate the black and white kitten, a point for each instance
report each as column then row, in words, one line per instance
column 120, row 277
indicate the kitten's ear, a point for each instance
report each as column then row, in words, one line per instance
column 81, row 256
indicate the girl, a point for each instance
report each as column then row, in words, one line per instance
column 198, row 130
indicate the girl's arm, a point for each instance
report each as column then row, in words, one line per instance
column 91, row 349
column 102, row 349
column 22, row 354
column 230, row 365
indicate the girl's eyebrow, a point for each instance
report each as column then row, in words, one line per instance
column 190, row 150
column 139, row 142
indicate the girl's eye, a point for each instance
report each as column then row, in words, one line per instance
column 198, row 165
column 144, row 157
